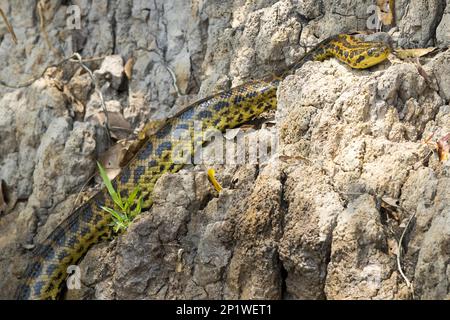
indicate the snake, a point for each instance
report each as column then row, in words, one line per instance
column 46, row 272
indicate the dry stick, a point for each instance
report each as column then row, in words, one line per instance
column 43, row 30
column 97, row 89
column 399, row 252
column 174, row 79
column 30, row 81
column 8, row 25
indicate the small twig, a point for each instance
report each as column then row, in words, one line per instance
column 399, row 253
column 97, row 89
column 40, row 8
column 8, row 25
column 174, row 79
column 30, row 81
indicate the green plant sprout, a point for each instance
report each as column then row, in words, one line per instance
column 123, row 212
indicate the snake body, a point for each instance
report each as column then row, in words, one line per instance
column 88, row 224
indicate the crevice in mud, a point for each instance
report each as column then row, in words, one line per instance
column 283, row 276
column 204, row 202
column 284, row 207
column 284, row 204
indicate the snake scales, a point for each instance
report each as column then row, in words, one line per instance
column 88, row 224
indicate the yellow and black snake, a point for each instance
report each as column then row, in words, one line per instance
column 46, row 273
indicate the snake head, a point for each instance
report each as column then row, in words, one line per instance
column 373, row 55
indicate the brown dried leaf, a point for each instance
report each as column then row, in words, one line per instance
column 128, row 69
column 112, row 158
column 385, row 11
column 443, row 147
column 391, row 207
column 119, row 127
column 413, row 53
column 392, row 246
column 422, row 71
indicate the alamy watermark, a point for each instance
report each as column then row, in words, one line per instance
column 73, row 281
column 210, row 146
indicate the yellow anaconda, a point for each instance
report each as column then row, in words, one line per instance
column 46, row 273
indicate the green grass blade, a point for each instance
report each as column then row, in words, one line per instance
column 117, row 215
column 130, row 200
column 137, row 210
column 114, row 195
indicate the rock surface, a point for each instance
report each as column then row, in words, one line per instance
column 312, row 223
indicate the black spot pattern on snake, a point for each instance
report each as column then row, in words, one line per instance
column 251, row 94
column 38, row 287
column 164, row 131
column 49, row 252
column 125, row 175
column 99, row 199
column 87, row 214
column 138, row 172
column 72, row 241
column 62, row 255
column 237, row 99
column 360, row 59
column 24, row 292
column 188, row 114
column 228, row 109
column 35, row 268
column 166, row 145
column 146, row 151
column 85, row 231
column 153, row 163
column 124, row 193
column 221, row 105
column 74, row 225
column 51, row 269
column 182, row 126
column 204, row 114
column 97, row 219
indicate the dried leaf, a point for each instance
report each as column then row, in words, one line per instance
column 443, row 147
column 112, row 158
column 128, row 69
column 413, row 53
column 391, row 207
column 392, row 246
column 118, row 126
column 385, row 11
column 422, row 71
